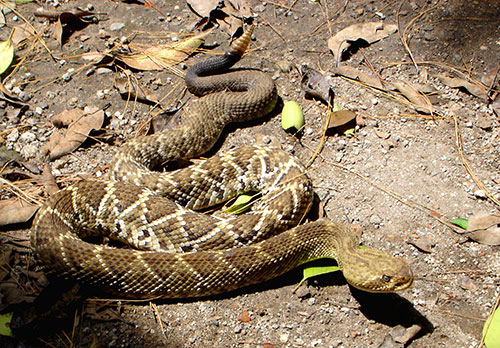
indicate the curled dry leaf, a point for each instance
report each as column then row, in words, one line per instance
column 370, row 32
column 67, row 21
column 79, row 124
column 417, row 99
column 15, row 211
column 315, row 85
column 475, row 89
column 160, row 57
column 484, row 228
column 228, row 14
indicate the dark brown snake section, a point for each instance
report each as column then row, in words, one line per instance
column 161, row 248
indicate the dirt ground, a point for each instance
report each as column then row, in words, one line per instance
column 400, row 176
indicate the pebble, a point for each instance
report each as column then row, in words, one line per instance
column 66, row 77
column 375, row 219
column 29, row 151
column 102, row 71
column 27, row 137
column 38, row 110
column 479, row 194
column 116, row 26
column 13, row 136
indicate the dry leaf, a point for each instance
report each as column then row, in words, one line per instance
column 9, row 97
column 341, row 118
column 15, row 211
column 423, row 244
column 160, row 57
column 67, row 21
column 358, row 75
column 315, row 85
column 47, row 180
column 227, row 14
column 478, row 90
column 79, row 124
column 370, row 32
column 484, row 228
column 203, row 7
column 416, row 98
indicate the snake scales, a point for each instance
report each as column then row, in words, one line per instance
column 173, row 251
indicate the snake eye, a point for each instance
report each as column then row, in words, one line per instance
column 386, row 278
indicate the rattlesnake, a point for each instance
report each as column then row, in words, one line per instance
column 173, row 251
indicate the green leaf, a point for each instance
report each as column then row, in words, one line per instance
column 6, row 53
column 314, row 271
column 491, row 330
column 240, row 205
column 5, row 324
column 460, row 222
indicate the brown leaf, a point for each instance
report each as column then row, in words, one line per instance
column 15, row 211
column 484, row 228
column 203, row 7
column 476, row 89
column 370, row 32
column 230, row 13
column 341, row 118
column 47, row 180
column 79, row 123
column 358, row 75
column 315, row 84
column 419, row 102
column 9, row 97
column 58, row 32
column 423, row 244
column 162, row 56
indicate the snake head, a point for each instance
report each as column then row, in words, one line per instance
column 376, row 271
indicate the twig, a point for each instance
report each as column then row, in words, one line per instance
column 478, row 182
column 453, row 313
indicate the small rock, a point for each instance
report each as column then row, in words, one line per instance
column 403, row 335
column 116, row 26
column 103, row 34
column 27, row 137
column 479, row 194
column 284, row 337
column 284, row 65
column 13, row 136
column 103, row 70
column 375, row 219
column 467, row 284
column 259, row 8
column 311, row 301
column 29, row 151
column 38, row 110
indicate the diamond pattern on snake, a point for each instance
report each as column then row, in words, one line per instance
column 174, row 251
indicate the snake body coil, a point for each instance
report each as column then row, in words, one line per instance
column 175, row 252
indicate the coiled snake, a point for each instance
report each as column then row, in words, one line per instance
column 175, row 252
